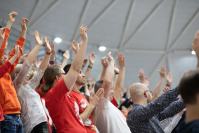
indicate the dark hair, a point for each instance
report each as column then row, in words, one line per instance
column 98, row 85
column 67, row 68
column 50, row 75
column 189, row 86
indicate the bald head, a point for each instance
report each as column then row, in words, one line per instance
column 137, row 91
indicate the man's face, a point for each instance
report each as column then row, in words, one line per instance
column 81, row 79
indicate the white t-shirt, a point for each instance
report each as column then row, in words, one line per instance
column 33, row 112
column 109, row 119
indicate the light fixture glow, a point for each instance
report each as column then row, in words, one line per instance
column 57, row 40
column 102, row 48
column 193, row 52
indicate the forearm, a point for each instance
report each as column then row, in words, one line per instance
column 157, row 90
column 4, row 41
column 109, row 74
column 64, row 62
column 13, row 59
column 9, row 24
column 45, row 62
column 33, row 54
column 119, row 83
column 52, row 59
column 158, row 105
column 87, row 112
column 88, row 70
column 102, row 73
column 79, row 58
column 174, row 108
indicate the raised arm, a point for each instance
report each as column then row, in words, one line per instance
column 90, row 65
column 21, row 40
column 34, row 52
column 71, row 77
column 53, row 54
column 174, row 108
column 6, row 32
column 92, row 103
column 120, row 79
column 28, row 61
column 161, row 83
column 153, row 108
column 6, row 66
column 104, row 62
column 34, row 82
column 66, row 57
column 195, row 46
column 143, row 78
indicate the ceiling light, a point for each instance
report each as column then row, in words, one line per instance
column 102, row 48
column 193, row 52
column 57, row 40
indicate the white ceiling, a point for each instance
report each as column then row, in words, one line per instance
column 150, row 32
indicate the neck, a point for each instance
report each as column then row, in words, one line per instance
column 76, row 87
column 140, row 102
column 192, row 113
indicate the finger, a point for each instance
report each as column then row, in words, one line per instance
column 100, row 92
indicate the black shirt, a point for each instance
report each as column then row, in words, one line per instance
column 191, row 127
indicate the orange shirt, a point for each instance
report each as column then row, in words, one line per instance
column 6, row 32
column 1, row 114
column 8, row 96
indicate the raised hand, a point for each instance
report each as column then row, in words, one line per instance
column 143, row 78
column 104, row 62
column 95, row 99
column 52, row 48
column 47, row 45
column 169, row 78
column 83, row 33
column 75, row 46
column 12, row 16
column 91, row 58
column 24, row 24
column 66, row 54
column 163, row 72
column 38, row 39
column 121, row 60
column 195, row 44
column 141, row 75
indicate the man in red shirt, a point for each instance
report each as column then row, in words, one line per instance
column 62, row 103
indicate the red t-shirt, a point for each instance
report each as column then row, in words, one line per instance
column 82, row 104
column 62, row 108
column 114, row 102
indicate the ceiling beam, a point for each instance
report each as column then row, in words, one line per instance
column 34, row 9
column 102, row 13
column 170, row 29
column 126, row 24
column 82, row 16
column 183, row 30
column 50, row 8
column 171, row 22
column 143, row 22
